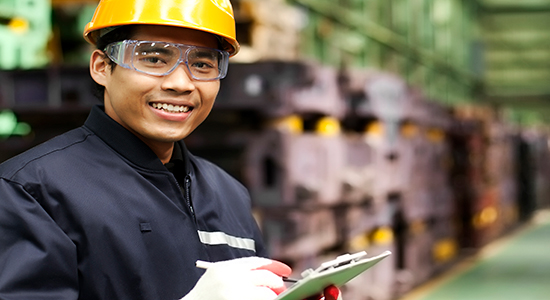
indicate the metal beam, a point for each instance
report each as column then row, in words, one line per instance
column 537, row 102
column 522, row 43
column 515, row 57
column 388, row 38
column 512, row 9
column 505, row 6
column 516, row 41
column 515, row 89
column 516, row 21
column 512, row 76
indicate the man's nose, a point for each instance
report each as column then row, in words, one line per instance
column 180, row 80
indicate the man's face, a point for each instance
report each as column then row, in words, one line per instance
column 134, row 99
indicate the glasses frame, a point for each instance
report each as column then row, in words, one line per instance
column 184, row 49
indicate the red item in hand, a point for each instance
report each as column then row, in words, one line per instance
column 280, row 269
column 332, row 293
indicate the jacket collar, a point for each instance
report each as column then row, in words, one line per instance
column 126, row 143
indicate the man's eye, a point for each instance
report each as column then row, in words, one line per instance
column 152, row 59
column 203, row 65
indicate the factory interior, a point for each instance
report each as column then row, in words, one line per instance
column 421, row 127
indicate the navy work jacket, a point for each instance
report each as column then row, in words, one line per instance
column 94, row 214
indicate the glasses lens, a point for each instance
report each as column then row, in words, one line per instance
column 114, row 52
column 159, row 58
column 155, row 57
column 206, row 63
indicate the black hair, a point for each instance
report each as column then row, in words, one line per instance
column 117, row 35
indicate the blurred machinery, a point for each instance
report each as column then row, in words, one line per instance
column 360, row 160
column 25, row 29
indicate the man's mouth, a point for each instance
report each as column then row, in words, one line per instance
column 175, row 109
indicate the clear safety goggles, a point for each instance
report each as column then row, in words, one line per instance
column 161, row 58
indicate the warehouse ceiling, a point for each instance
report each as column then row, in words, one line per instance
column 516, row 40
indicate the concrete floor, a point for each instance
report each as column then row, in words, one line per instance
column 514, row 268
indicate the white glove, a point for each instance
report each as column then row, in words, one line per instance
column 248, row 278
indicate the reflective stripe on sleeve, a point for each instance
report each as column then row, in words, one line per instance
column 220, row 238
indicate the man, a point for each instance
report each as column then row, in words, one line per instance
column 118, row 208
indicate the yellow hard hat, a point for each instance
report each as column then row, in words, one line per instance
column 213, row 16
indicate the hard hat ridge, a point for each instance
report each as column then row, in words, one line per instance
column 212, row 16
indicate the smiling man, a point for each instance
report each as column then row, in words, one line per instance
column 119, row 208
column 166, row 88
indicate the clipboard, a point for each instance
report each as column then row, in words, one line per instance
column 336, row 272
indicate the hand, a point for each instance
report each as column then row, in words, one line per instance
column 248, row 278
column 331, row 292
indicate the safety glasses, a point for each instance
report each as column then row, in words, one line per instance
column 161, row 58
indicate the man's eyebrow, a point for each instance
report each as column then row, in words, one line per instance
column 205, row 53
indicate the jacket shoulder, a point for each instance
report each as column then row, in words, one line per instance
column 43, row 152
column 209, row 168
column 215, row 175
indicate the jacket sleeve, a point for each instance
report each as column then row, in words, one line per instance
column 37, row 259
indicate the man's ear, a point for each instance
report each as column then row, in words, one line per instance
column 99, row 66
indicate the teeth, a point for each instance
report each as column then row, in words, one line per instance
column 171, row 108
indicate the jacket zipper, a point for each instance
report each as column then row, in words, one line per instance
column 187, row 189
column 188, row 197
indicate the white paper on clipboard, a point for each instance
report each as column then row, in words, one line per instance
column 336, row 272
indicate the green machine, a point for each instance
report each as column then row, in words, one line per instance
column 25, row 29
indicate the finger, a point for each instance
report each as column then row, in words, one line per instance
column 242, row 263
column 249, row 263
column 331, row 292
column 252, row 263
column 267, row 279
column 278, row 268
